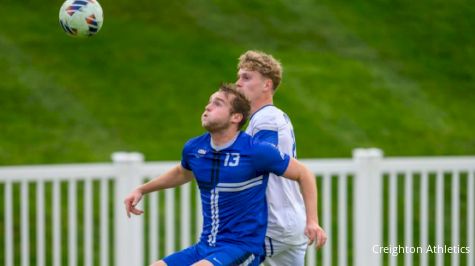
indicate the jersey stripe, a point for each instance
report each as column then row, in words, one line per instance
column 248, row 261
column 240, row 183
column 237, row 189
column 214, row 201
column 226, row 187
column 214, row 217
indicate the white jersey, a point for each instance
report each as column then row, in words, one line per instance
column 286, row 207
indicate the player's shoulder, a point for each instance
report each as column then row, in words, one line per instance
column 266, row 156
column 244, row 141
column 261, row 148
column 267, row 111
column 200, row 140
column 269, row 117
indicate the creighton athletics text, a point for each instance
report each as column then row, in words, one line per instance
column 431, row 249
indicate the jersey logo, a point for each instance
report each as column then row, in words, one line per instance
column 200, row 153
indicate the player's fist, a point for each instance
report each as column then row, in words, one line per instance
column 315, row 234
column 131, row 201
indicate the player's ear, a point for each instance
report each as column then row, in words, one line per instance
column 268, row 84
column 237, row 118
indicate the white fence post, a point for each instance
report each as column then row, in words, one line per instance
column 367, row 207
column 128, row 233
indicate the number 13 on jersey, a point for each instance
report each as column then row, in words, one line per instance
column 232, row 159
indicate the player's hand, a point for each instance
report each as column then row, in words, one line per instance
column 315, row 234
column 131, row 201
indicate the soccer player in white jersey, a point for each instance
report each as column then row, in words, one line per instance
column 259, row 75
column 232, row 173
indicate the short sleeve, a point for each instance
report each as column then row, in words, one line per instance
column 267, row 158
column 265, row 122
column 269, row 136
column 185, row 156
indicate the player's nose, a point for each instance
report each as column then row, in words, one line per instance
column 238, row 82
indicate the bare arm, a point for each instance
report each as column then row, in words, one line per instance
column 302, row 174
column 173, row 178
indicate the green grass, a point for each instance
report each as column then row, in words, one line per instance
column 395, row 75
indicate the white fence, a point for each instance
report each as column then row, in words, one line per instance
column 377, row 211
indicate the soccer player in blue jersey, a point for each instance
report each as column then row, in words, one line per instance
column 232, row 173
column 259, row 75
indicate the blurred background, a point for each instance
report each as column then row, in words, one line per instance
column 398, row 75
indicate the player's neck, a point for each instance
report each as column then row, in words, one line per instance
column 258, row 104
column 222, row 137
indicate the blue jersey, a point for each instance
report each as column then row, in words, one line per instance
column 232, row 180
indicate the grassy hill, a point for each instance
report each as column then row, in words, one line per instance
column 391, row 74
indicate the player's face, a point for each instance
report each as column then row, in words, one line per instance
column 217, row 114
column 250, row 83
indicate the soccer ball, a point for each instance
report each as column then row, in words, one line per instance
column 81, row 18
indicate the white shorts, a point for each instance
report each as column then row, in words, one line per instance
column 282, row 254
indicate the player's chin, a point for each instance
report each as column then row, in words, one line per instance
column 211, row 127
column 205, row 124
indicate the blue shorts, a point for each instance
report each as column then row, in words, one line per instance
column 224, row 255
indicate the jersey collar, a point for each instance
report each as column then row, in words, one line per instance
column 224, row 146
column 267, row 105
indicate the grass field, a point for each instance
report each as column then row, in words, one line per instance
column 391, row 74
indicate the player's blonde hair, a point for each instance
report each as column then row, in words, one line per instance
column 263, row 63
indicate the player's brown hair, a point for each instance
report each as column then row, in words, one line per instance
column 239, row 104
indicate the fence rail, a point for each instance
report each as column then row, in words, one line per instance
column 370, row 206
